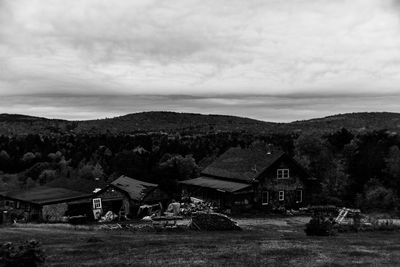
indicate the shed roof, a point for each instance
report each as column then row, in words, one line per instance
column 43, row 195
column 208, row 182
column 134, row 188
column 244, row 164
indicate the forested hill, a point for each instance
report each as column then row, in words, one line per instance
column 189, row 123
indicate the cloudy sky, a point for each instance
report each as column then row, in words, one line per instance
column 268, row 59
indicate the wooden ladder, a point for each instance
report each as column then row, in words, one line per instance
column 342, row 214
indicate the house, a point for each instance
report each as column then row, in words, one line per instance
column 37, row 204
column 253, row 177
column 125, row 195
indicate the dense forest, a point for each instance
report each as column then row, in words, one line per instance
column 355, row 169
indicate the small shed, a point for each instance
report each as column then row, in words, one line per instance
column 124, row 195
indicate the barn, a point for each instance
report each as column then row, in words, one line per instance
column 37, row 204
column 253, row 177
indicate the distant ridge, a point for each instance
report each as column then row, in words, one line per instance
column 190, row 123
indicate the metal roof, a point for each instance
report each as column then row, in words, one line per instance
column 43, row 195
column 244, row 164
column 222, row 185
column 134, row 188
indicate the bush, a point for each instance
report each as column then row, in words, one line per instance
column 379, row 197
column 320, row 227
column 27, row 254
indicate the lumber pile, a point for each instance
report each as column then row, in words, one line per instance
column 212, row 222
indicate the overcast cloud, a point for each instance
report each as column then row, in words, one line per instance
column 267, row 59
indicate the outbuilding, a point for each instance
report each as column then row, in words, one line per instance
column 37, row 204
column 125, row 195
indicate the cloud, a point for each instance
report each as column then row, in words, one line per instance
column 311, row 48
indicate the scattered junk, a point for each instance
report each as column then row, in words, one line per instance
column 193, row 214
column 164, row 222
column 108, row 217
column 150, row 210
column 329, row 220
column 212, row 222
column 196, row 205
column 127, row 227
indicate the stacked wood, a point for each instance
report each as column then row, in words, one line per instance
column 212, row 222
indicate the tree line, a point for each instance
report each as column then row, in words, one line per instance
column 352, row 169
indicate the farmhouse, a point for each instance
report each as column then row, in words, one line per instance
column 37, row 204
column 253, row 177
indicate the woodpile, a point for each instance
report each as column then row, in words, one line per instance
column 212, row 222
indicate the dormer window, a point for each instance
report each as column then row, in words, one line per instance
column 282, row 173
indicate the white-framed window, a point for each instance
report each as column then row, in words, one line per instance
column 281, row 195
column 282, row 173
column 299, row 196
column 264, row 197
column 97, row 203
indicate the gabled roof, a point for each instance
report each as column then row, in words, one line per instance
column 244, row 164
column 226, row 186
column 43, row 195
column 134, row 188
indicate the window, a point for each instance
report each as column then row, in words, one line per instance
column 97, row 203
column 281, row 195
column 282, row 173
column 264, row 197
column 9, row 203
column 299, row 196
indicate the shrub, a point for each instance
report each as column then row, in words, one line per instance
column 320, row 227
column 29, row 253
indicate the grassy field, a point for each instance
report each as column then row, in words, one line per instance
column 273, row 242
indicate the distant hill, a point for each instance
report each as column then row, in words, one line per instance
column 352, row 121
column 171, row 122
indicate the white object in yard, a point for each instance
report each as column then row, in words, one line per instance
column 196, row 200
column 110, row 216
column 146, row 219
column 174, row 208
column 97, row 213
column 343, row 213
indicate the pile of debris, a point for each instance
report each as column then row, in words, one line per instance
column 109, row 217
column 196, row 205
column 212, row 222
column 127, row 227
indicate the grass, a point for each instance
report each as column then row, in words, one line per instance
column 268, row 244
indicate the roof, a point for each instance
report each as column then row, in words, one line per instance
column 244, row 164
column 208, row 182
column 134, row 188
column 43, row 195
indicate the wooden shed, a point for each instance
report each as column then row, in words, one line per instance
column 37, row 204
column 124, row 196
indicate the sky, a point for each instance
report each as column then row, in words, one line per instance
column 265, row 59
